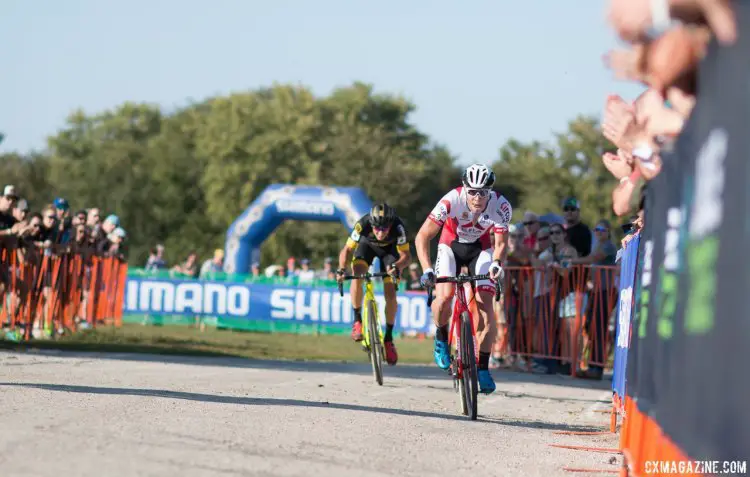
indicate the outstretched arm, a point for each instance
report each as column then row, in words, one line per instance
column 426, row 233
column 345, row 255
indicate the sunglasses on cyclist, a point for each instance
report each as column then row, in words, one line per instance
column 478, row 192
column 382, row 229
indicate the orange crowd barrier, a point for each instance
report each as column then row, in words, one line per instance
column 560, row 318
column 59, row 289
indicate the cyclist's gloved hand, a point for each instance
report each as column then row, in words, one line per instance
column 393, row 271
column 495, row 270
column 428, row 278
column 340, row 275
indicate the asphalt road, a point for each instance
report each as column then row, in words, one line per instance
column 65, row 414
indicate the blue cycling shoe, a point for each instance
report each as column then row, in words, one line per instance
column 486, row 383
column 442, row 354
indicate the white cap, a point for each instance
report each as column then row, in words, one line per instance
column 10, row 191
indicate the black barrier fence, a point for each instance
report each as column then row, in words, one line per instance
column 687, row 370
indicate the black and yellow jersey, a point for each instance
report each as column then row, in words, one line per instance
column 363, row 231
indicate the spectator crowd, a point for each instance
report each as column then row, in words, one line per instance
column 55, row 225
column 46, row 260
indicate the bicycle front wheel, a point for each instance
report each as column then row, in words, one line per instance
column 376, row 346
column 469, row 366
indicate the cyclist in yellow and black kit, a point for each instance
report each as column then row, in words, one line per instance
column 378, row 234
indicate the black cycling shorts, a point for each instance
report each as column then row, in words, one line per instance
column 451, row 258
column 366, row 252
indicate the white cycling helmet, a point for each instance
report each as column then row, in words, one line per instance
column 478, row 176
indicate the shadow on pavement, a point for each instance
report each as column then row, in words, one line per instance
column 257, row 401
column 408, row 371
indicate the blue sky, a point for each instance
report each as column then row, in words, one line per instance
column 479, row 71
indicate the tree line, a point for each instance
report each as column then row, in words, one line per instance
column 181, row 177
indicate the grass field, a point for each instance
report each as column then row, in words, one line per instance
column 183, row 340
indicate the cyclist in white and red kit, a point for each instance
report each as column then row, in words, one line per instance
column 474, row 221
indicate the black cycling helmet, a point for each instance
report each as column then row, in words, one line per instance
column 382, row 215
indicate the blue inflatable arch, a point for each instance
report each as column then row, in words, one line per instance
column 279, row 202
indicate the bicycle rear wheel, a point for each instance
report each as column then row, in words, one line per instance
column 469, row 366
column 376, row 347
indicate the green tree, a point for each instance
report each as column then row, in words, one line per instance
column 29, row 173
column 181, row 178
column 538, row 176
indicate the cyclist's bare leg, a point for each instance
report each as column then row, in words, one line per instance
column 486, row 324
column 358, row 267
column 357, row 295
column 391, row 305
column 441, row 305
column 441, row 312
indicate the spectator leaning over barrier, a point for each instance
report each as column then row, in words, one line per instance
column 64, row 221
column 117, row 247
column 188, row 267
column 547, row 297
column 599, row 304
column 413, row 279
column 156, row 259
column 101, row 239
column 532, row 226
column 30, row 234
column 327, row 271
column 212, row 265
column 518, row 282
column 93, row 218
column 255, row 269
column 578, row 233
column 542, row 241
column 306, row 275
column 20, row 212
column 7, row 202
column 50, row 230
column 291, row 267
column 80, row 237
column 79, row 218
column 33, row 232
column 516, row 249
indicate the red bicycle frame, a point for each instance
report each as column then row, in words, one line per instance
column 459, row 306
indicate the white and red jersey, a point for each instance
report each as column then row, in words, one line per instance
column 459, row 222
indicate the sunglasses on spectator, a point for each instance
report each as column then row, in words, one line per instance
column 600, row 229
column 530, row 222
column 570, row 209
column 556, row 232
column 478, row 192
column 50, row 217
